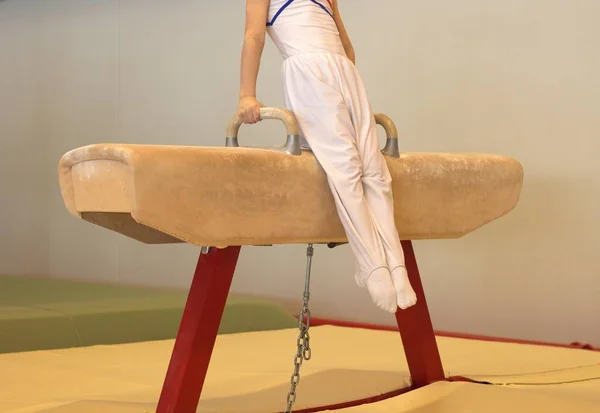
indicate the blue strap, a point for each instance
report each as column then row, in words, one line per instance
column 323, row 7
column 279, row 12
column 282, row 8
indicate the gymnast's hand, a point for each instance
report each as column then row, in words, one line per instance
column 249, row 110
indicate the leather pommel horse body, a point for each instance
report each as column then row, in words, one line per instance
column 222, row 198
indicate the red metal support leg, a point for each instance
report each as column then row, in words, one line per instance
column 198, row 331
column 416, row 330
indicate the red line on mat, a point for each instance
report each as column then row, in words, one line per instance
column 354, row 403
column 315, row 321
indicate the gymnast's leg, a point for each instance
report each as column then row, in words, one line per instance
column 377, row 182
column 326, row 124
column 377, row 185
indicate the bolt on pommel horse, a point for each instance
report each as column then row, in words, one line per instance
column 223, row 198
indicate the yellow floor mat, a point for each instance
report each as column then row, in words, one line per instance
column 250, row 372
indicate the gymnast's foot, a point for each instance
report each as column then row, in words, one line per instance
column 405, row 295
column 381, row 289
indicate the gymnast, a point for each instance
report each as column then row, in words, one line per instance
column 325, row 92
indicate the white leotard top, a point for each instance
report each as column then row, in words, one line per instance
column 303, row 26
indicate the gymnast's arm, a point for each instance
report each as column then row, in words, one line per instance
column 254, row 42
column 343, row 33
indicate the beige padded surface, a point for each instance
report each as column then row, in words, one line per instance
column 239, row 196
column 250, row 372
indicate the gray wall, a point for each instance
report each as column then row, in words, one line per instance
column 513, row 77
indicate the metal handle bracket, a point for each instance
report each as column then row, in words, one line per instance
column 391, row 148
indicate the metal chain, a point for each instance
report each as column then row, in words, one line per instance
column 303, row 343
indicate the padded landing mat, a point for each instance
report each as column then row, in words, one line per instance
column 477, row 398
column 250, row 373
column 45, row 313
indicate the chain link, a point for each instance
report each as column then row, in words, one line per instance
column 303, row 351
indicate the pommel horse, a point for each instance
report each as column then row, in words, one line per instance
column 223, row 198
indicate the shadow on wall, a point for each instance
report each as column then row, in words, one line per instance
column 508, row 281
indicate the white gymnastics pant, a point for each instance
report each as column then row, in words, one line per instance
column 329, row 100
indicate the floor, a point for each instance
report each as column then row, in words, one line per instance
column 38, row 313
column 250, row 373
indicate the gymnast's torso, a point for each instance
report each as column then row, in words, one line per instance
column 303, row 27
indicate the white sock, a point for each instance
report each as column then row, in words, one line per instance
column 405, row 295
column 381, row 289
